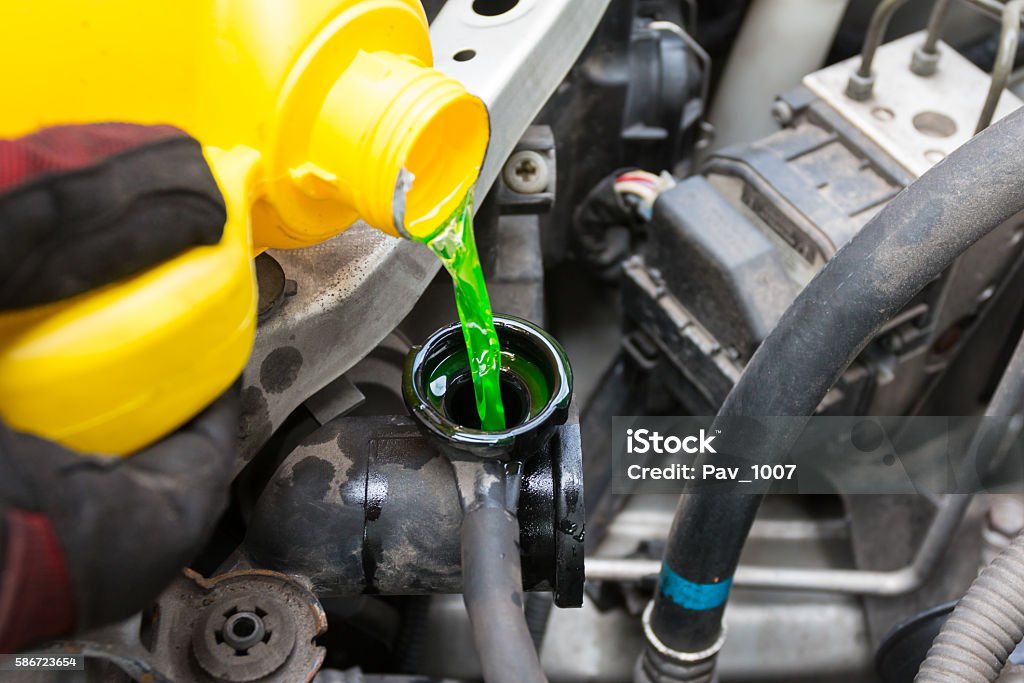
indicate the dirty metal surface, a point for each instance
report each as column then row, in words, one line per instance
column 188, row 631
column 185, row 641
column 369, row 505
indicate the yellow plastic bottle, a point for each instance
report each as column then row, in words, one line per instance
column 312, row 114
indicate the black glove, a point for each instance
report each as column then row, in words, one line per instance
column 83, row 206
column 86, row 540
column 92, row 540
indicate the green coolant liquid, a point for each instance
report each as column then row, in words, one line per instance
column 455, row 246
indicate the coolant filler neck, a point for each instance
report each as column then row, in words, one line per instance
column 536, row 387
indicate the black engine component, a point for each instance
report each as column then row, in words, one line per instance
column 641, row 89
column 731, row 248
column 370, row 505
column 901, row 654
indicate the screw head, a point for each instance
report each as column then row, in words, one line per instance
column 527, row 172
column 782, row 112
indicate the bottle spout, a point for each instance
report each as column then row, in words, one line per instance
column 396, row 143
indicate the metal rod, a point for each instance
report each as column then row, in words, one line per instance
column 992, row 8
column 1008, row 400
column 862, row 81
column 851, row 581
column 935, row 23
column 876, row 32
column 1009, row 38
column 925, row 60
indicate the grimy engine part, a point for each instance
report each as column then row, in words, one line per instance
column 370, row 505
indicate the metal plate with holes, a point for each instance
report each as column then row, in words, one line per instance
column 917, row 119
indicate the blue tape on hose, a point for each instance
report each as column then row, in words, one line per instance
column 690, row 595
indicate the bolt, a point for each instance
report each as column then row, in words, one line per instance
column 242, row 630
column 527, row 172
column 782, row 112
column 705, row 135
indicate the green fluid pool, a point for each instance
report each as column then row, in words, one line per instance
column 455, row 246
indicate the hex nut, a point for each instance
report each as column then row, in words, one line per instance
column 924, row 63
column 860, row 87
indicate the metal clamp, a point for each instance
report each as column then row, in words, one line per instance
column 676, row 655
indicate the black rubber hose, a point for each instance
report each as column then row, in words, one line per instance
column 988, row 623
column 492, row 587
column 909, row 243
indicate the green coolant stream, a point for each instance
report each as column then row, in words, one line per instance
column 455, row 246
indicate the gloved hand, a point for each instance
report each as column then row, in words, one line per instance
column 86, row 540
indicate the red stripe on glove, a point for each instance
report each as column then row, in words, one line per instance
column 66, row 148
column 36, row 598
